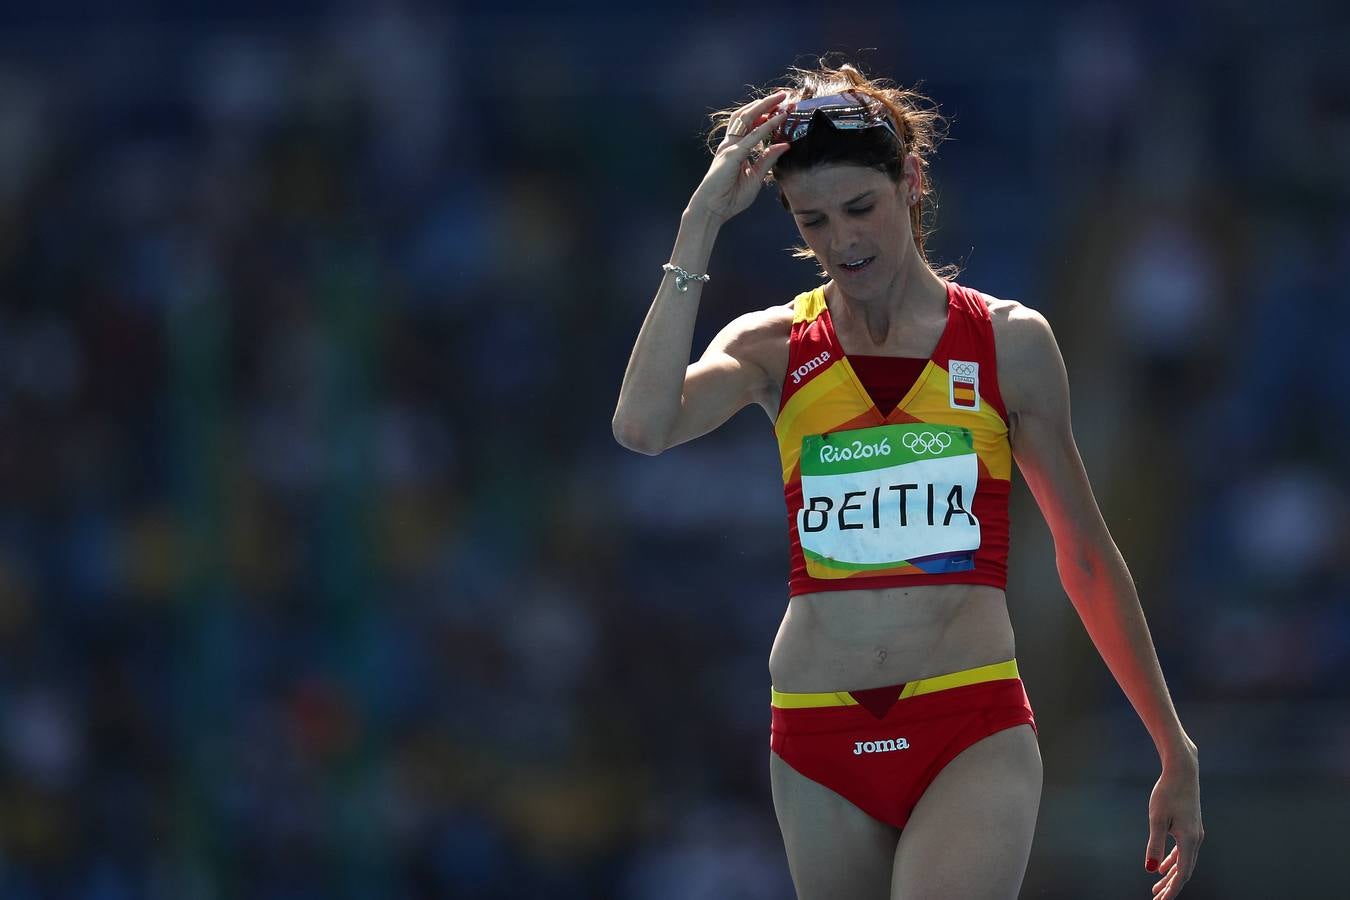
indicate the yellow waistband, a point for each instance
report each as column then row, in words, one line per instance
column 1006, row 669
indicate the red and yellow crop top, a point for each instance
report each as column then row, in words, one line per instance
column 916, row 496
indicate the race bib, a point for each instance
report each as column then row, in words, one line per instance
column 876, row 501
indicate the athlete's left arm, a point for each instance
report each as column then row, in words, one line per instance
column 1035, row 389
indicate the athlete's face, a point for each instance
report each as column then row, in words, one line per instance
column 847, row 213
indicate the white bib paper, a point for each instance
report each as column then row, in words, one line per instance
column 879, row 499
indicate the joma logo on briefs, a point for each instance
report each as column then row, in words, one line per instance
column 810, row 366
column 861, row 747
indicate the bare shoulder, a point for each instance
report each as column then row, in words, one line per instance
column 1016, row 323
column 759, row 327
column 1029, row 361
column 759, row 339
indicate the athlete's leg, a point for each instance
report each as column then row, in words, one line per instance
column 834, row 849
column 970, row 834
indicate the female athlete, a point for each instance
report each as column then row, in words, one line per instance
column 903, row 750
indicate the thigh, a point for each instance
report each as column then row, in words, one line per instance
column 970, row 833
column 834, row 849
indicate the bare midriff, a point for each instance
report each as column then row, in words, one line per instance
column 859, row 639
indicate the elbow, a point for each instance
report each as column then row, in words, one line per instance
column 1085, row 566
column 1075, row 564
column 636, row 440
column 1076, row 571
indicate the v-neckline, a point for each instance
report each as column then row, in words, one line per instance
column 885, row 418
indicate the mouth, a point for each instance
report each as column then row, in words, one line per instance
column 858, row 265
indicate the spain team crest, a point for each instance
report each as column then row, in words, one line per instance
column 963, row 379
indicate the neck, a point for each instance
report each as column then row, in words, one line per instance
column 913, row 297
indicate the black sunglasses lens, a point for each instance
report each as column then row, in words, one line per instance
column 797, row 124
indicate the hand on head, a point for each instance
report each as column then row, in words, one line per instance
column 740, row 164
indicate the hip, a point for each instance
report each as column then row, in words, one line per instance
column 995, row 689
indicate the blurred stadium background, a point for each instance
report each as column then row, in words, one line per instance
column 321, row 575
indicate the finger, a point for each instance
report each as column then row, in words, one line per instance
column 748, row 125
column 1174, row 886
column 1163, row 887
column 1181, row 872
column 1157, row 843
column 759, row 120
column 769, row 157
column 751, row 111
column 1186, row 843
column 763, row 129
column 1168, row 863
column 769, row 113
column 756, row 135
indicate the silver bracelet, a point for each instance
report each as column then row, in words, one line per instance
column 682, row 278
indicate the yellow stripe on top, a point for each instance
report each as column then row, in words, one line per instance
column 993, row 672
column 829, row 398
column 835, row 396
column 807, row 305
column 987, row 428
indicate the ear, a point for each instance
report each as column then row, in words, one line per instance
column 912, row 177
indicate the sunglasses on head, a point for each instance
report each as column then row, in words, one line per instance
column 847, row 111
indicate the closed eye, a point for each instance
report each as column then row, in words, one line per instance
column 855, row 212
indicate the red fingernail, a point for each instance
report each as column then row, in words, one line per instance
column 1151, row 865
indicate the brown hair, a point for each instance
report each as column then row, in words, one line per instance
column 916, row 118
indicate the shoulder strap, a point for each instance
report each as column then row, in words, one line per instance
column 808, row 306
column 972, row 340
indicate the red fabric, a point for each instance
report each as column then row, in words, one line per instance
column 878, row 701
column 887, row 378
column 968, row 335
column 820, row 743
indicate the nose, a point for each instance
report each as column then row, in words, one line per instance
column 845, row 239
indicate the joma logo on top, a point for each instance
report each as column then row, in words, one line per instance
column 810, row 366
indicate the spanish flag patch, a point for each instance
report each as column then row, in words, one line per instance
column 963, row 378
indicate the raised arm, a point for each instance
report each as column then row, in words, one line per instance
column 664, row 400
column 1035, row 389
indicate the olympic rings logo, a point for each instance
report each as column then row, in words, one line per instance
column 963, row 369
column 921, row 442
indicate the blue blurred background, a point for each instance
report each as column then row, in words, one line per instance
column 322, row 576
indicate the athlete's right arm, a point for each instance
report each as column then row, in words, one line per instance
column 664, row 400
column 734, row 371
